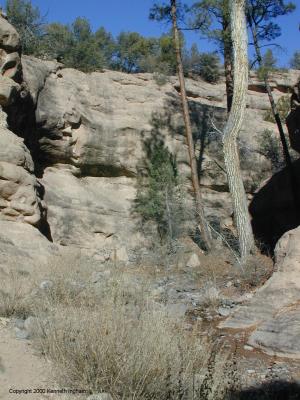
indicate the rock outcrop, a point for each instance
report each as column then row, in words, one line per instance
column 10, row 63
column 23, row 249
column 273, row 314
column 92, row 131
column 19, row 189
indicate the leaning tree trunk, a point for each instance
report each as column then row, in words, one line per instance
column 233, row 126
column 204, row 228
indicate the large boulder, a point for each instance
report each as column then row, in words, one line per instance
column 23, row 247
column 35, row 73
column 273, row 313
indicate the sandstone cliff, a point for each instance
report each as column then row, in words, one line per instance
column 87, row 138
column 72, row 144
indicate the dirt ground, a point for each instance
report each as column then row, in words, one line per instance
column 20, row 367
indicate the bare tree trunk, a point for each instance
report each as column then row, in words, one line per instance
column 204, row 228
column 169, row 216
column 233, row 126
column 228, row 76
column 228, row 54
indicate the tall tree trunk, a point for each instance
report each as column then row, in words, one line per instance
column 233, row 126
column 228, row 53
column 285, row 149
column 204, row 228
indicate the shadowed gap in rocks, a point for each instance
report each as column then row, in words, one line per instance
column 275, row 390
column 273, row 208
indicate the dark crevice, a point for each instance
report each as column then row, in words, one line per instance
column 273, row 209
column 21, row 121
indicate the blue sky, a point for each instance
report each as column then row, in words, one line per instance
column 132, row 15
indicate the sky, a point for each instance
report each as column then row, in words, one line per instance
column 132, row 15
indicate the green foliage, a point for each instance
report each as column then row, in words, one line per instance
column 160, row 78
column 262, row 14
column 131, row 49
column 206, row 65
column 27, row 20
column 161, row 12
column 57, row 41
column 295, row 60
column 211, row 18
column 269, row 61
column 270, row 147
column 167, row 58
column 158, row 199
column 268, row 65
column 283, row 107
column 77, row 46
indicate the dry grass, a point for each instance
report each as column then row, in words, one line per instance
column 113, row 338
column 255, row 271
column 15, row 293
column 131, row 357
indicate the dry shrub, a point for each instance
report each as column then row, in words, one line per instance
column 15, row 294
column 130, row 357
column 255, row 270
column 283, row 107
column 67, row 279
column 109, row 336
column 122, row 343
column 211, row 296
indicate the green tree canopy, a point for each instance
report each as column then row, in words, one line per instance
column 268, row 64
column 158, row 198
column 206, row 65
column 295, row 60
column 27, row 19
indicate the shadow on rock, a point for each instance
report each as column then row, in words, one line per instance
column 276, row 390
column 274, row 209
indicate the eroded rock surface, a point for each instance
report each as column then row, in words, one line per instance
column 10, row 63
column 273, row 313
column 23, row 247
column 99, row 125
column 91, row 212
column 19, row 189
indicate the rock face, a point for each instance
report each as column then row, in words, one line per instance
column 23, row 247
column 10, row 63
column 88, row 135
column 19, row 189
column 273, row 313
column 21, row 206
column 93, row 130
column 93, row 213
